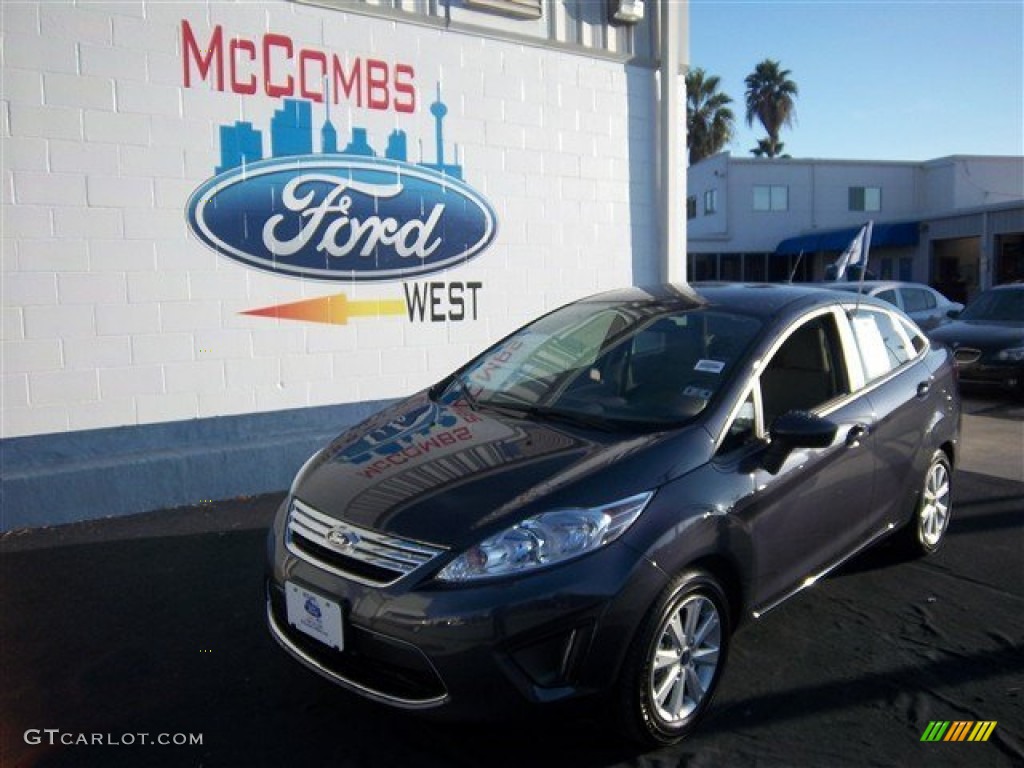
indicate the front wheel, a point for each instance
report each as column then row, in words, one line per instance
column 927, row 530
column 675, row 662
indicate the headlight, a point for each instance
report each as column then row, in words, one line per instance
column 546, row 539
column 1012, row 354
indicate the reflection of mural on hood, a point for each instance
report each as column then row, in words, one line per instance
column 344, row 216
column 487, row 447
column 417, row 421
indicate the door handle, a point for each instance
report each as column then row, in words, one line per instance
column 854, row 436
column 924, row 388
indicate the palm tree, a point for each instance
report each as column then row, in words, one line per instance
column 762, row 149
column 709, row 122
column 770, row 99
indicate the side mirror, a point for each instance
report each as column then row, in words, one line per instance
column 801, row 429
column 796, row 429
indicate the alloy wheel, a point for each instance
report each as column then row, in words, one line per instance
column 685, row 659
column 934, row 515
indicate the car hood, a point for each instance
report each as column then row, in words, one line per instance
column 450, row 475
column 984, row 336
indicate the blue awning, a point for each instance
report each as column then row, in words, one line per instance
column 894, row 235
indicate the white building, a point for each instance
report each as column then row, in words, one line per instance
column 232, row 228
column 960, row 216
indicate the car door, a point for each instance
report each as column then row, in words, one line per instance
column 904, row 401
column 815, row 508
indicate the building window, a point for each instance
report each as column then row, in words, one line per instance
column 582, row 24
column 754, row 269
column 703, row 266
column 710, row 201
column 731, row 267
column 527, row 9
column 691, row 207
column 865, row 198
column 771, row 198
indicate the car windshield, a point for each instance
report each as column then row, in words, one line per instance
column 1001, row 306
column 611, row 364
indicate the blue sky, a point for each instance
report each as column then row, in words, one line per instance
column 885, row 79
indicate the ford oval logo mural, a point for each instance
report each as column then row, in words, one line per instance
column 341, row 218
column 342, row 215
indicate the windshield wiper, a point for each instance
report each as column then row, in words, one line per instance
column 576, row 418
column 541, row 412
column 463, row 384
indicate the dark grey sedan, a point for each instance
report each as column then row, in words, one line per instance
column 988, row 339
column 588, row 510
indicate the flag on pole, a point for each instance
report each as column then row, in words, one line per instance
column 856, row 252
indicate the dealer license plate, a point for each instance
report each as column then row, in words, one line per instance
column 315, row 615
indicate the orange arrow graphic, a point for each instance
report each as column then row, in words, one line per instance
column 335, row 310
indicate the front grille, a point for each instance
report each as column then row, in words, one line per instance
column 360, row 554
column 967, row 355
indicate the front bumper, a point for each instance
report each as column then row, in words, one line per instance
column 480, row 651
column 1008, row 375
column 373, row 666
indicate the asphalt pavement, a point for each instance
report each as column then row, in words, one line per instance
column 119, row 634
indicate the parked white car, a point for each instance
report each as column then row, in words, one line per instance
column 926, row 306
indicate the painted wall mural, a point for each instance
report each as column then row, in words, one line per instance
column 221, row 209
column 346, row 214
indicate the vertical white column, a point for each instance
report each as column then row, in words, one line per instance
column 672, row 144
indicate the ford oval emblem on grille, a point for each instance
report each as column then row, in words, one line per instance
column 342, row 539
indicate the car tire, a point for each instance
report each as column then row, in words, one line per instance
column 927, row 530
column 675, row 661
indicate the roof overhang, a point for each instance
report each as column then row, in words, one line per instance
column 893, row 235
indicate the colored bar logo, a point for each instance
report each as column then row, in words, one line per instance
column 958, row 730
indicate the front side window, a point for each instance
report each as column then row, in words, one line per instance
column 888, row 295
column 742, row 429
column 805, row 372
column 771, row 198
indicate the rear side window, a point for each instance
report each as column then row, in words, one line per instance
column 917, row 300
column 883, row 343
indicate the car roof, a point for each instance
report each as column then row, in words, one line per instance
column 847, row 284
column 758, row 299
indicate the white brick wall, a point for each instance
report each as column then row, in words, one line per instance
column 97, row 352
column 114, row 313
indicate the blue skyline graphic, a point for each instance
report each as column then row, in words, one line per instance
column 291, row 133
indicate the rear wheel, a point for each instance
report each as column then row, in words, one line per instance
column 675, row 662
column 927, row 530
